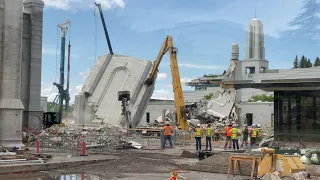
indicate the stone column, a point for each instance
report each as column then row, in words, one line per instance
column 11, row 107
column 35, row 9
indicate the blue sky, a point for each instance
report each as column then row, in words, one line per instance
column 203, row 31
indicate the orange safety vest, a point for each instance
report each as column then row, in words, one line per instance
column 167, row 131
column 173, row 178
column 198, row 132
column 228, row 133
column 254, row 132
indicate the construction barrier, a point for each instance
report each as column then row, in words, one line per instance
column 144, row 138
column 75, row 145
column 183, row 137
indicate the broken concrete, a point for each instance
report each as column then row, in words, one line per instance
column 98, row 102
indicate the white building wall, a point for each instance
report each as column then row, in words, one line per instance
column 155, row 110
column 194, row 96
column 261, row 112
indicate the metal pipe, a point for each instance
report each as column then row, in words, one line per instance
column 61, row 89
column 68, row 79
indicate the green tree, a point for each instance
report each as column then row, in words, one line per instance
column 316, row 62
column 303, row 62
column 296, row 62
column 261, row 97
column 54, row 107
column 309, row 64
column 209, row 96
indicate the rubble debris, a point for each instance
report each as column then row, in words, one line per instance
column 113, row 136
column 188, row 154
column 271, row 176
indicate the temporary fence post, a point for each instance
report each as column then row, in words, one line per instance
column 38, row 144
column 83, row 146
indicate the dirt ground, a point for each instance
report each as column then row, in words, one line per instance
column 131, row 165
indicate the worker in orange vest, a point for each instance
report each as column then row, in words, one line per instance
column 167, row 133
column 228, row 134
column 174, row 176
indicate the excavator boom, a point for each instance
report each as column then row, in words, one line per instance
column 168, row 46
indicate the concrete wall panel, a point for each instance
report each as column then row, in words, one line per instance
column 98, row 101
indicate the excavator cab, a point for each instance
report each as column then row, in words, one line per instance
column 50, row 118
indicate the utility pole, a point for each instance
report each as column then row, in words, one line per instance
column 63, row 94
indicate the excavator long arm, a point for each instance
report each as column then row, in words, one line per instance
column 168, row 46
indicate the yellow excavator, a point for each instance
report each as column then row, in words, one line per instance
column 168, row 46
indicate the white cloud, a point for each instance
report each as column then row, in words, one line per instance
column 84, row 75
column 185, row 80
column 197, row 66
column 83, row 4
column 50, row 91
column 275, row 21
column 161, row 76
column 49, row 51
column 162, row 94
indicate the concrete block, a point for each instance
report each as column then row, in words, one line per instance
column 106, row 78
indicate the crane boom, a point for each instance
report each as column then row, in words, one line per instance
column 168, row 46
column 105, row 28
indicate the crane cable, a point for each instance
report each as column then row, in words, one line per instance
column 56, row 74
column 95, row 35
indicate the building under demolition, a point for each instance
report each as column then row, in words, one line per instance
column 20, row 66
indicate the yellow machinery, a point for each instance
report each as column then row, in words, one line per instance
column 284, row 164
column 167, row 46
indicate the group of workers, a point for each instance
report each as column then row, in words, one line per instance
column 232, row 135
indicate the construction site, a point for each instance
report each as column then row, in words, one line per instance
column 116, row 130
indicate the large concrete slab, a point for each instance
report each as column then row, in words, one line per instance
column 98, row 102
column 222, row 104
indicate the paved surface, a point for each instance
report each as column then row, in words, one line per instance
column 123, row 176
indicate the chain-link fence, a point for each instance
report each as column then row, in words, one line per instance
column 144, row 139
column 73, row 144
column 183, row 137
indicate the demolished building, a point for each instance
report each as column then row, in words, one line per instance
column 98, row 103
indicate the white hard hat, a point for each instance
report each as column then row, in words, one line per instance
column 253, row 125
column 259, row 125
column 234, row 125
column 167, row 123
column 198, row 125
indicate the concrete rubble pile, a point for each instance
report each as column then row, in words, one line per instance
column 217, row 110
column 64, row 136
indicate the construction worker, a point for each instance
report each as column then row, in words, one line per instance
column 245, row 133
column 197, row 135
column 174, row 176
column 167, row 133
column 235, row 132
column 228, row 134
column 259, row 137
column 253, row 135
column 208, row 137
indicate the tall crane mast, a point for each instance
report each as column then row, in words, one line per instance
column 63, row 94
column 105, row 28
column 168, row 46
